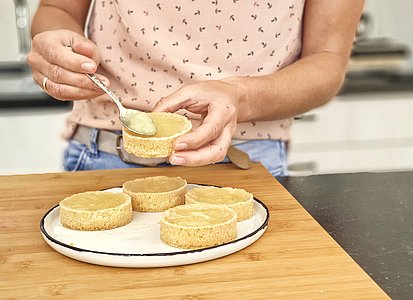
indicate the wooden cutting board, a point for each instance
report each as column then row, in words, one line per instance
column 294, row 259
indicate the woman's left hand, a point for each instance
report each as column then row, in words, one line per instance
column 217, row 102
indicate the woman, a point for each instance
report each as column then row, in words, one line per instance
column 242, row 69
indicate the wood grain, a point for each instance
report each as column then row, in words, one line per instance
column 294, row 259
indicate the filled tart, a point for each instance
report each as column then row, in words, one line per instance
column 156, row 194
column 95, row 210
column 169, row 125
column 238, row 199
column 194, row 226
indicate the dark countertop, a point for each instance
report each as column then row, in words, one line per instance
column 377, row 82
column 371, row 216
column 18, row 90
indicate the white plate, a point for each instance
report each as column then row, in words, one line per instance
column 137, row 244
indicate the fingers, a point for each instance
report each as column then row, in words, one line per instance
column 88, row 50
column 210, row 153
column 63, row 91
column 184, row 98
column 211, row 128
column 217, row 114
column 216, row 119
column 216, row 102
column 173, row 106
column 52, row 57
column 61, row 75
column 58, row 54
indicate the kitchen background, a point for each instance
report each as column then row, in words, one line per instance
column 367, row 127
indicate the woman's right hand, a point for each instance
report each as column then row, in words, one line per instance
column 63, row 57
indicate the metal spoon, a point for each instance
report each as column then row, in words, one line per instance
column 134, row 120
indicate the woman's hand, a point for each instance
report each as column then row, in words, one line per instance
column 51, row 58
column 217, row 102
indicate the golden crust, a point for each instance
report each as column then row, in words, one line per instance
column 118, row 213
column 156, row 200
column 195, row 237
column 159, row 145
column 241, row 201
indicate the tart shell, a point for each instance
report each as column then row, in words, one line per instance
column 155, row 146
column 244, row 208
column 156, row 201
column 195, row 237
column 93, row 220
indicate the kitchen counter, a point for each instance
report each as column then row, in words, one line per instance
column 371, row 216
column 294, row 259
column 18, row 89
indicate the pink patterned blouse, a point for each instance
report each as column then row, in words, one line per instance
column 149, row 49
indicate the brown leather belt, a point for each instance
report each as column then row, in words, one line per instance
column 112, row 142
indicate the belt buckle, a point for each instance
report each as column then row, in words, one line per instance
column 119, row 148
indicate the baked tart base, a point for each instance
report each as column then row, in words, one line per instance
column 238, row 199
column 155, row 194
column 195, row 226
column 91, row 211
column 170, row 126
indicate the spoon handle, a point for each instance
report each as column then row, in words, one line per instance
column 99, row 83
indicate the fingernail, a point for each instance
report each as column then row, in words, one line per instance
column 176, row 160
column 88, row 67
column 181, row 146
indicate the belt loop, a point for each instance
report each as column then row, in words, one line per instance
column 94, row 135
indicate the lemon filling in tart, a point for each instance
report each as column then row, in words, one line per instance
column 94, row 201
column 199, row 217
column 166, row 126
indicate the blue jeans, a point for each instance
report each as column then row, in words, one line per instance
column 78, row 157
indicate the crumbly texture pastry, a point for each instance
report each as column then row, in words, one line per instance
column 95, row 210
column 238, row 199
column 169, row 125
column 195, row 226
column 156, row 194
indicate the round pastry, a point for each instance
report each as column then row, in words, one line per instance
column 156, row 194
column 195, row 226
column 95, row 210
column 238, row 199
column 169, row 125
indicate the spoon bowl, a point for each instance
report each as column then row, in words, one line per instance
column 134, row 120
